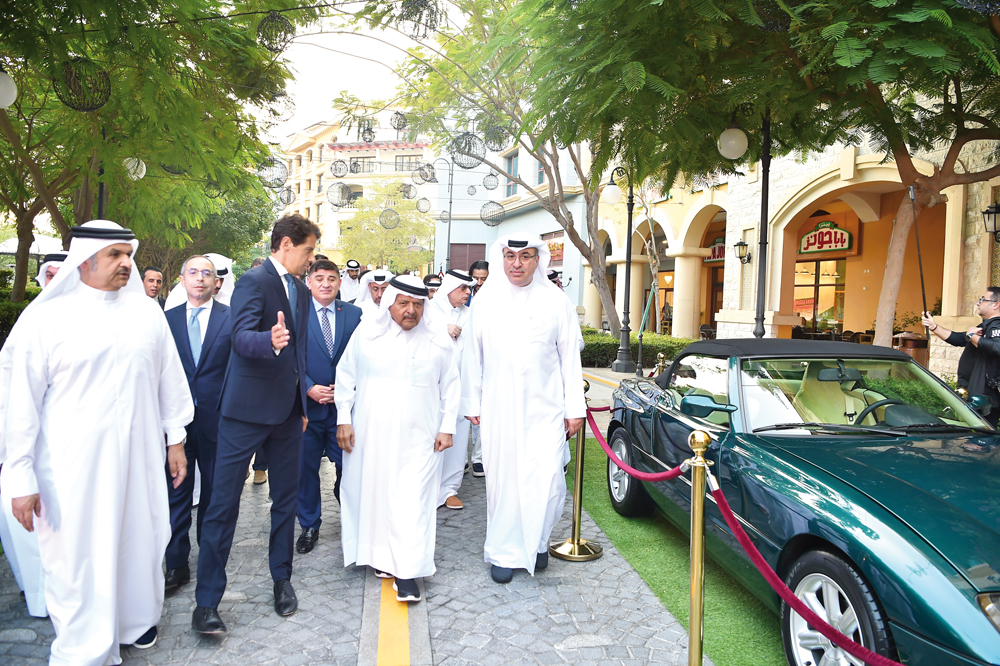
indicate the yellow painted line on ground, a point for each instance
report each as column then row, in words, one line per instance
column 600, row 379
column 393, row 629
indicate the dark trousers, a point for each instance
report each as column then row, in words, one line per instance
column 238, row 440
column 199, row 450
column 259, row 460
column 320, row 439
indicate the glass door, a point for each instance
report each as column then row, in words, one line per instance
column 819, row 295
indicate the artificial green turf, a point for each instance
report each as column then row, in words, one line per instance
column 739, row 629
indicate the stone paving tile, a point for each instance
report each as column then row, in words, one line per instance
column 598, row 612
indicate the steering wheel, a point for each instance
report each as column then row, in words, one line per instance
column 875, row 405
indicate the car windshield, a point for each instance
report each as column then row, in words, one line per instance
column 874, row 393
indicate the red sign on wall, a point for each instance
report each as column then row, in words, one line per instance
column 826, row 237
column 718, row 249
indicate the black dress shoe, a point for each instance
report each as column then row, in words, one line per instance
column 307, row 540
column 501, row 574
column 285, row 601
column 541, row 560
column 207, row 621
column 176, row 577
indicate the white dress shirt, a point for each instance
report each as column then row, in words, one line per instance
column 282, row 272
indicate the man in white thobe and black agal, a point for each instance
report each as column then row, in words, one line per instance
column 50, row 266
column 523, row 384
column 95, row 389
column 373, row 285
column 349, row 284
column 397, row 402
column 449, row 312
column 433, row 283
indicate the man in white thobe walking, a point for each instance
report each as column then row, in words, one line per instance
column 95, row 388
column 448, row 312
column 350, row 287
column 373, row 285
column 523, row 384
column 397, row 403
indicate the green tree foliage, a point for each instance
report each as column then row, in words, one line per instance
column 189, row 85
column 236, row 231
column 402, row 248
column 909, row 75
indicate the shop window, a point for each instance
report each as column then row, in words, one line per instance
column 819, row 294
column 510, row 166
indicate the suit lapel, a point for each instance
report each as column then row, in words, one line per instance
column 215, row 318
column 338, row 333
column 184, row 347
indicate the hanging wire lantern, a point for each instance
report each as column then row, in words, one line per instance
column 389, row 218
column 429, row 173
column 134, row 168
column 467, row 150
column 418, row 176
column 272, row 172
column 173, row 170
column 471, row 190
column 338, row 194
column 984, row 7
column 492, row 214
column 274, row 32
column 418, row 18
column 282, row 108
column 444, row 217
column 212, row 190
column 491, row 182
column 82, row 85
column 424, row 205
column 409, row 191
column 368, row 135
column 774, row 17
column 286, row 196
column 496, row 138
column 398, row 120
column 338, row 168
column 355, row 166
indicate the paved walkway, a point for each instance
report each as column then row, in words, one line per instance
column 597, row 612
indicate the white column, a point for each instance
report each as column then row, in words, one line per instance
column 592, row 309
column 687, row 289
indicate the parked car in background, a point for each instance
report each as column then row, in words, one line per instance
column 870, row 487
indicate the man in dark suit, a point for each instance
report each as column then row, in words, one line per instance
column 202, row 331
column 331, row 324
column 263, row 404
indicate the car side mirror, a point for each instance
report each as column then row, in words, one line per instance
column 703, row 406
column 982, row 404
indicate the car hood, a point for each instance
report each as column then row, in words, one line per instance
column 947, row 490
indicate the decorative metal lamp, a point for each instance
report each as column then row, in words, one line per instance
column 8, row 89
column 389, row 218
column 213, row 190
column 496, row 138
column 338, row 168
column 991, row 220
column 424, row 205
column 83, row 85
column 467, row 150
column 286, row 196
column 272, row 173
column 418, row 18
column 445, row 217
column 733, row 143
column 275, row 32
column 492, row 214
column 398, row 120
column 134, row 168
column 429, row 172
column 491, row 182
column 471, row 190
column 418, row 176
column 368, row 133
column 338, row 195
column 742, row 252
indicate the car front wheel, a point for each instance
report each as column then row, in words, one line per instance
column 831, row 588
column 628, row 497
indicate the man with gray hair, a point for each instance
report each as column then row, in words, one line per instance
column 203, row 332
column 95, row 389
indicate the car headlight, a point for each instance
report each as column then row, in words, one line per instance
column 990, row 603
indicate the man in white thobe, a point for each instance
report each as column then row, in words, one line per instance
column 350, row 287
column 373, row 285
column 397, row 403
column 449, row 313
column 95, row 389
column 51, row 263
column 523, row 384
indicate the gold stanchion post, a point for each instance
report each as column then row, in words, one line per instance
column 575, row 549
column 699, row 441
column 661, row 363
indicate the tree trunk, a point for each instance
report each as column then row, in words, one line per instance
column 654, row 270
column 893, row 278
column 25, row 237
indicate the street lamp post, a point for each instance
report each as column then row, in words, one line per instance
column 451, row 179
column 612, row 194
column 733, row 145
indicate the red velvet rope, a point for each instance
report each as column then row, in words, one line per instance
column 839, row 639
column 631, row 471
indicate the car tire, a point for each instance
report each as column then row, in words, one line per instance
column 628, row 497
column 826, row 582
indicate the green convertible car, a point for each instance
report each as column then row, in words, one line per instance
column 869, row 486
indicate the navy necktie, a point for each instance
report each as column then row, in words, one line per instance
column 293, row 300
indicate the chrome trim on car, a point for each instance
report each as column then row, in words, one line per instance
column 619, row 395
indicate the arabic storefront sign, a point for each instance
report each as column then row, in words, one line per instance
column 826, row 237
column 718, row 249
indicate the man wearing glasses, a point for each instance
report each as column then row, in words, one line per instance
column 202, row 331
column 523, row 385
column 979, row 366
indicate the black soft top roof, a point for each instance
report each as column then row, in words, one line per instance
column 790, row 348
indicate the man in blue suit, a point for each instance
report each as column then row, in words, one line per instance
column 202, row 332
column 263, row 404
column 331, row 324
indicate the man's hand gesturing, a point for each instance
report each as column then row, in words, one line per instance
column 279, row 334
